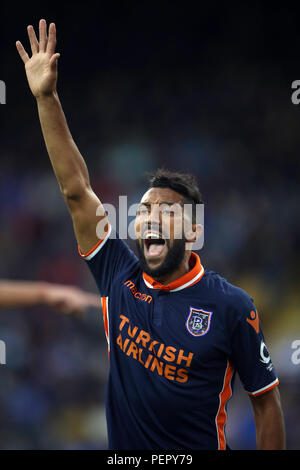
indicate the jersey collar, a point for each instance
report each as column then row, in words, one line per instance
column 187, row 280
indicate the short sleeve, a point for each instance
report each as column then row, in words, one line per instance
column 249, row 354
column 109, row 259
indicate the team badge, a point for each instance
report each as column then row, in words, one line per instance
column 198, row 321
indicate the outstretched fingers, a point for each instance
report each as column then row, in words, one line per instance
column 33, row 40
column 43, row 35
column 51, row 44
column 23, row 54
column 44, row 44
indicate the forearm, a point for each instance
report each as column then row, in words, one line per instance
column 270, row 429
column 68, row 164
column 14, row 294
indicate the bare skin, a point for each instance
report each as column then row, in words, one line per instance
column 63, row 299
column 269, row 422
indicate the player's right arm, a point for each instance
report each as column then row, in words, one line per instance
column 68, row 164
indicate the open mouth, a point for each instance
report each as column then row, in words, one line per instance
column 154, row 244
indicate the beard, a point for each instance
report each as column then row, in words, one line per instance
column 171, row 262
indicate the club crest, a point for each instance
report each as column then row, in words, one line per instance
column 198, row 321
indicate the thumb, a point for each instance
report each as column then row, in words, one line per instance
column 53, row 60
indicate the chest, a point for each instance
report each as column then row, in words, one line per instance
column 169, row 331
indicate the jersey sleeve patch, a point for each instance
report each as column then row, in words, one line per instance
column 253, row 320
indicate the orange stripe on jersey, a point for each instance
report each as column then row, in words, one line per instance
column 85, row 255
column 224, row 396
column 264, row 389
column 104, row 301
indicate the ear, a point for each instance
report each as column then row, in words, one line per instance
column 193, row 235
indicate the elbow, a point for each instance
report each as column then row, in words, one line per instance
column 70, row 195
column 74, row 191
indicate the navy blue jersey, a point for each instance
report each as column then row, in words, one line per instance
column 174, row 350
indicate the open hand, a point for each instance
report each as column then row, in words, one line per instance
column 41, row 67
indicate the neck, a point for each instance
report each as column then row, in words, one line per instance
column 180, row 271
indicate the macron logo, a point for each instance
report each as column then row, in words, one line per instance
column 138, row 295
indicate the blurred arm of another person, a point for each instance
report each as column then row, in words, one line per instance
column 63, row 299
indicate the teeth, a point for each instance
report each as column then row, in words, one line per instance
column 151, row 235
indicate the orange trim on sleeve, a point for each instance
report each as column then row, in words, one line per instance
column 264, row 389
column 85, row 255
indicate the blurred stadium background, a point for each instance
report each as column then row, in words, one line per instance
column 203, row 90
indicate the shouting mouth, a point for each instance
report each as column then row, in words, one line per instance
column 154, row 245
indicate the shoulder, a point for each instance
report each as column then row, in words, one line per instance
column 232, row 297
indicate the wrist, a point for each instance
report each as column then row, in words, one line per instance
column 42, row 98
column 43, row 293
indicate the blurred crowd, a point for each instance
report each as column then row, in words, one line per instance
column 232, row 125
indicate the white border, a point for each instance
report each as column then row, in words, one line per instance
column 107, row 313
column 91, row 255
column 187, row 284
column 264, row 388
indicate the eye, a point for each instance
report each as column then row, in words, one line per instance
column 167, row 211
column 143, row 210
column 171, row 210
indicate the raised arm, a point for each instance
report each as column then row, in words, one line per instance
column 68, row 164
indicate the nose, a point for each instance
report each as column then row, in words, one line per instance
column 153, row 219
column 154, row 215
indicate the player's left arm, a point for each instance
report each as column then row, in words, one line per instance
column 252, row 361
column 269, row 421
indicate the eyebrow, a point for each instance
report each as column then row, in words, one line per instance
column 162, row 202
